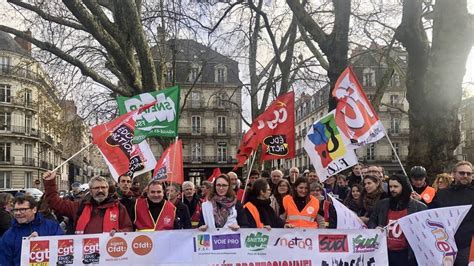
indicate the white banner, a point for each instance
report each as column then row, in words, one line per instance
column 346, row 219
column 246, row 247
column 430, row 234
column 327, row 148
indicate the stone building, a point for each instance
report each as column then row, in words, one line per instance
column 210, row 122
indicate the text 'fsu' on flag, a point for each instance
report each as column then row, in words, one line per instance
column 431, row 233
column 355, row 115
column 326, row 148
column 114, row 140
column 159, row 120
column 170, row 165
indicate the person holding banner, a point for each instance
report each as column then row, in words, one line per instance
column 173, row 192
column 154, row 213
column 301, row 208
column 283, row 189
column 388, row 210
column 191, row 199
column 125, row 195
column 460, row 193
column 27, row 223
column 98, row 212
column 222, row 210
column 258, row 210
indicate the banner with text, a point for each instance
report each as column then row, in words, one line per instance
column 159, row 120
column 191, row 247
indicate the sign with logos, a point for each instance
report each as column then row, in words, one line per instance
column 192, row 247
column 159, row 120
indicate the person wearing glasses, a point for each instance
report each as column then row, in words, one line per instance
column 97, row 212
column 27, row 223
column 460, row 193
column 222, row 210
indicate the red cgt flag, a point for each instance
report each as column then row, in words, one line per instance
column 114, row 141
column 276, row 128
column 170, row 165
column 215, row 173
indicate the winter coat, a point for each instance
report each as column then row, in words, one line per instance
column 10, row 253
column 73, row 209
column 457, row 195
column 267, row 214
column 5, row 221
column 380, row 214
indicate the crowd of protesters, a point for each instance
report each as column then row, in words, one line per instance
column 267, row 201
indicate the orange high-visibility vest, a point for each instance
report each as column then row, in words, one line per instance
column 254, row 211
column 428, row 194
column 144, row 220
column 110, row 220
column 306, row 218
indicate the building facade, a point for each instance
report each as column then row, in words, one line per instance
column 210, row 122
column 35, row 135
column 465, row 150
column 393, row 112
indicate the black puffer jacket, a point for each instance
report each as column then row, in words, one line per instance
column 457, row 195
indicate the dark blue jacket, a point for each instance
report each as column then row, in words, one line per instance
column 10, row 251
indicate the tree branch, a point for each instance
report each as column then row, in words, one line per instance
column 68, row 58
column 47, row 16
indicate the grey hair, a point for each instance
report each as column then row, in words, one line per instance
column 187, row 184
column 98, row 179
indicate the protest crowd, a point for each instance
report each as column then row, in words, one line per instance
column 298, row 200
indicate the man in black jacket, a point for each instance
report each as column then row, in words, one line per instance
column 183, row 217
column 460, row 193
column 126, row 196
column 387, row 211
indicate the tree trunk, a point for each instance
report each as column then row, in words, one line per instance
column 434, row 78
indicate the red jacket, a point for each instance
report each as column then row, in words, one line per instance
column 71, row 208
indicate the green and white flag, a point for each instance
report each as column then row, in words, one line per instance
column 158, row 120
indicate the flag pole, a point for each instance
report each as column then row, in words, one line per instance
column 395, row 152
column 248, row 175
column 74, row 155
column 174, row 157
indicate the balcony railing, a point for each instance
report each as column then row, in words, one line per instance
column 29, row 131
column 19, row 72
column 29, row 161
column 195, row 131
column 7, row 160
column 209, row 159
column 221, row 131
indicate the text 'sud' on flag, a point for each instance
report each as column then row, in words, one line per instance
column 276, row 128
column 114, row 140
column 159, row 120
column 430, row 234
column 326, row 148
column 170, row 166
column 355, row 115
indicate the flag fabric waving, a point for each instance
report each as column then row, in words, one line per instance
column 114, row 140
column 215, row 173
column 276, row 128
column 159, row 120
column 248, row 144
column 430, row 234
column 355, row 115
column 170, row 165
column 346, row 219
column 326, row 148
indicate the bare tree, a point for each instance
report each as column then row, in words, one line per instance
column 434, row 77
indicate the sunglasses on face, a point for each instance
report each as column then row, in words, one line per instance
column 462, row 173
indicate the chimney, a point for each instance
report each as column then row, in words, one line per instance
column 26, row 45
